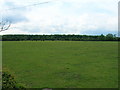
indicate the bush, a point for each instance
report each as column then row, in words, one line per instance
column 8, row 81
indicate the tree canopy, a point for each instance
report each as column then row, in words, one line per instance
column 108, row 37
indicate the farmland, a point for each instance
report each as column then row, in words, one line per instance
column 63, row 64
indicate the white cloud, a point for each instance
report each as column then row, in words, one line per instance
column 68, row 17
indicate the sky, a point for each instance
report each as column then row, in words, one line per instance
column 90, row 17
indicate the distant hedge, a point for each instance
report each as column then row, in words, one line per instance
column 108, row 37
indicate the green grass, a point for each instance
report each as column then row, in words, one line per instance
column 63, row 64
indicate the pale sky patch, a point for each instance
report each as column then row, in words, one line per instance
column 92, row 17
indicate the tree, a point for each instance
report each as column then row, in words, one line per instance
column 102, row 37
column 109, row 36
column 114, row 35
column 4, row 25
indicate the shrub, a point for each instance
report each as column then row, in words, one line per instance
column 8, row 81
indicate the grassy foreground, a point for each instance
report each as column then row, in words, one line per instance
column 63, row 64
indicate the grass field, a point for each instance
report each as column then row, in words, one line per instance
column 63, row 64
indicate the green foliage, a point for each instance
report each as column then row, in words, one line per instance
column 63, row 64
column 8, row 81
column 108, row 37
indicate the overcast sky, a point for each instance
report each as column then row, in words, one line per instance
column 91, row 17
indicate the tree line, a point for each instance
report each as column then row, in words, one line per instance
column 108, row 37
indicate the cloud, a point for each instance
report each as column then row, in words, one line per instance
column 11, row 14
column 15, row 18
column 64, row 17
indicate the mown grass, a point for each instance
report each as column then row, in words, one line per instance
column 63, row 64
